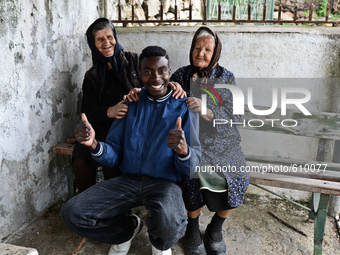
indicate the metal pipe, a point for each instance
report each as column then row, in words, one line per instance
column 334, row 23
column 249, row 12
column 264, row 12
column 205, row 12
column 272, row 192
column 119, row 12
column 175, row 9
column 105, row 8
column 147, row 12
column 310, row 12
column 279, row 17
column 133, row 11
column 219, row 10
column 327, row 12
column 220, row 20
column 234, row 13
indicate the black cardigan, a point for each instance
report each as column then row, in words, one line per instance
column 96, row 102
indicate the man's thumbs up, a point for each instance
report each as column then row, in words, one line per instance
column 179, row 123
column 84, row 118
column 176, row 139
column 84, row 132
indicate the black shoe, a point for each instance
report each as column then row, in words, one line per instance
column 215, row 248
column 195, row 250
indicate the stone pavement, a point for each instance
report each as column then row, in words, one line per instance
column 248, row 230
column 9, row 249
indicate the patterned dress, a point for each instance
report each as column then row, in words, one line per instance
column 220, row 144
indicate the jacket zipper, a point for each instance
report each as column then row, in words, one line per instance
column 144, row 152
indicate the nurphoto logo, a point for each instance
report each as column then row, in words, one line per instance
column 239, row 99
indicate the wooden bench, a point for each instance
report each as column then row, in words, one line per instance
column 66, row 149
column 319, row 177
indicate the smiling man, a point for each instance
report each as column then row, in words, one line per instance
column 153, row 147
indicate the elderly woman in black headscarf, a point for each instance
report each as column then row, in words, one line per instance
column 113, row 74
column 221, row 184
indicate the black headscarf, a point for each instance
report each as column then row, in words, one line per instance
column 203, row 72
column 98, row 57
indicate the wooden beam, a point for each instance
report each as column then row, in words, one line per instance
column 64, row 149
column 323, row 175
column 252, row 159
column 318, row 125
column 297, row 183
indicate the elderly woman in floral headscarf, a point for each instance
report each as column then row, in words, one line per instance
column 224, row 190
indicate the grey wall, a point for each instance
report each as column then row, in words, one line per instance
column 251, row 52
column 44, row 56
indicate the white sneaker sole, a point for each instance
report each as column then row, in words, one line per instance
column 159, row 252
column 123, row 248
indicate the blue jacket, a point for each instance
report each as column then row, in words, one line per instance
column 138, row 143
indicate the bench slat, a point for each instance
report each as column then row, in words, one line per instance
column 289, row 162
column 317, row 125
column 64, row 149
column 71, row 139
column 326, row 175
column 297, row 183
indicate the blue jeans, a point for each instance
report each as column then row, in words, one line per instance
column 98, row 213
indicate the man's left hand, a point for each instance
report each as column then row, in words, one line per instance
column 176, row 139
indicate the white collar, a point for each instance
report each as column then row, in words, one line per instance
column 163, row 98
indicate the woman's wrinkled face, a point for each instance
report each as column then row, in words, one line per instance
column 105, row 42
column 203, row 51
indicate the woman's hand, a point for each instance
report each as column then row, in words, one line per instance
column 133, row 95
column 85, row 133
column 178, row 90
column 195, row 104
column 119, row 111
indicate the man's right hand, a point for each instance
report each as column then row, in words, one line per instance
column 85, row 133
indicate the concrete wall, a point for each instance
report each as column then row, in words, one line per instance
column 44, row 56
column 251, row 51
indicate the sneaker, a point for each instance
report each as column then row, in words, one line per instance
column 159, row 252
column 123, row 248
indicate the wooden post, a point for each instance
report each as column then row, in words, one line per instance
column 319, row 223
column 70, row 181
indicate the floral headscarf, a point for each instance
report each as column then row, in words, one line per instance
column 203, row 72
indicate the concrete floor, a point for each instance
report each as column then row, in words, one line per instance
column 248, row 230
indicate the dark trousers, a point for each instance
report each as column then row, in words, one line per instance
column 98, row 213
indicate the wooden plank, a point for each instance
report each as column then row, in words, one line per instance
column 319, row 224
column 317, row 125
column 326, row 175
column 297, row 183
column 289, row 162
column 64, row 149
column 71, row 139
